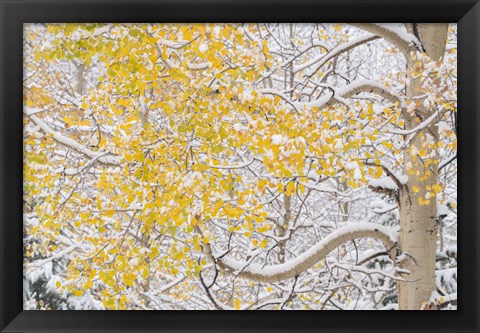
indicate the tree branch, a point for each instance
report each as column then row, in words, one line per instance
column 288, row 270
column 402, row 40
column 102, row 157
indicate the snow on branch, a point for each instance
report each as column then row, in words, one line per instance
column 293, row 268
column 321, row 60
column 316, row 187
column 449, row 160
column 385, row 183
column 367, row 86
column 392, row 183
column 85, row 34
column 423, row 125
column 303, row 51
column 350, row 90
column 274, row 92
column 199, row 66
column 397, row 36
column 231, row 167
column 380, row 207
column 55, row 256
column 70, row 143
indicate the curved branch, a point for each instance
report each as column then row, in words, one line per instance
column 350, row 90
column 447, row 162
column 303, row 51
column 335, row 52
column 230, row 167
column 389, row 173
column 300, row 264
column 274, row 92
column 402, row 40
column 418, row 128
column 368, row 86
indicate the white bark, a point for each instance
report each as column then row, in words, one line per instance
column 418, row 234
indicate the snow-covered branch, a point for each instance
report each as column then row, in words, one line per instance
column 397, row 36
column 423, row 125
column 321, row 60
column 352, row 89
column 309, row 258
column 231, row 167
column 61, row 139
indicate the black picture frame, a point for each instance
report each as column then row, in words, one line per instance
column 14, row 13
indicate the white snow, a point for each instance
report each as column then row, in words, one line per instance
column 323, row 58
column 403, row 179
column 104, row 157
column 239, row 127
column 400, row 31
column 421, row 126
column 442, row 210
column 352, row 165
column 357, row 174
column 347, row 90
column 278, row 139
column 203, row 48
column 385, row 183
column 322, row 245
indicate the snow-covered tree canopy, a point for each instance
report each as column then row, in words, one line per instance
column 240, row 166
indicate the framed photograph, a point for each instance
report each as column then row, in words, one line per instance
column 216, row 156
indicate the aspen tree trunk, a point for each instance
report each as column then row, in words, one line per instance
column 81, row 80
column 287, row 201
column 418, row 234
column 282, row 229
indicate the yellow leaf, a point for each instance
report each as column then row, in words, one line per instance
column 78, row 292
column 128, row 279
column 145, row 273
column 387, row 144
column 263, row 243
column 206, row 239
column 117, row 111
column 110, row 213
column 436, row 188
column 370, row 109
column 88, row 284
column 237, row 304
column 301, row 188
column 68, row 120
column 179, row 256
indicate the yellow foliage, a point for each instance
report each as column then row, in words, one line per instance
column 237, row 304
column 177, row 141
